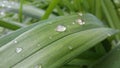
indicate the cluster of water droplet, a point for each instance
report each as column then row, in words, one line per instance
column 61, row 28
column 7, row 4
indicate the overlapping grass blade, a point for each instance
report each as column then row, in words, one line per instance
column 110, row 60
column 10, row 24
column 27, row 10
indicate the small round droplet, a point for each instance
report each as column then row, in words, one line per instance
column 38, row 66
column 60, row 28
column 15, row 41
column 73, row 22
column 81, row 22
column 8, row 6
column 2, row 13
column 70, row 47
column 3, row 5
column 18, row 50
column 5, row 1
column 80, row 14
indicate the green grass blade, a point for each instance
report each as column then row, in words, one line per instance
column 110, row 60
column 90, row 19
column 50, row 8
column 43, row 35
column 10, row 24
column 58, row 53
column 21, row 10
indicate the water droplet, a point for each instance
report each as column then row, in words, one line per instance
column 60, row 28
column 8, row 6
column 81, row 22
column 80, row 14
column 73, row 22
column 15, row 41
column 38, row 66
column 2, row 13
column 18, row 50
column 70, row 47
column 5, row 1
column 3, row 5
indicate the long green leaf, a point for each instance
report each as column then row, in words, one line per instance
column 63, row 50
column 42, row 36
column 90, row 19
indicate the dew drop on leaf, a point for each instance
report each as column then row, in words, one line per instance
column 79, row 21
column 60, row 28
column 2, row 13
column 18, row 50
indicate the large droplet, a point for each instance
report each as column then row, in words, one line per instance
column 18, row 50
column 79, row 21
column 60, row 28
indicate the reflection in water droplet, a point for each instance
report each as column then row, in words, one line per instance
column 81, row 22
column 60, row 28
column 70, row 47
column 18, row 50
